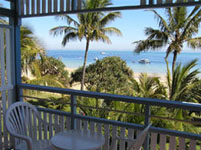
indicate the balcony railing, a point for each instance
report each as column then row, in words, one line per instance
column 158, row 137
column 31, row 8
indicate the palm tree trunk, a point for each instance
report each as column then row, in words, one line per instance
column 84, row 65
column 174, row 61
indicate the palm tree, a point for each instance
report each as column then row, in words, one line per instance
column 30, row 49
column 182, row 82
column 44, row 70
column 89, row 26
column 184, row 86
column 177, row 28
column 149, row 87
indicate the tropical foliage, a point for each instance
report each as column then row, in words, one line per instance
column 181, row 85
column 177, row 28
column 182, row 82
column 37, row 68
column 149, row 87
column 52, row 102
column 30, row 49
column 54, row 70
column 109, row 75
column 88, row 26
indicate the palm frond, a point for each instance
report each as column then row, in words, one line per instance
column 112, row 30
column 145, row 45
column 194, row 42
column 149, row 87
column 183, row 81
column 175, row 90
column 47, row 81
column 70, row 36
column 36, row 69
column 162, row 23
column 98, row 35
column 68, row 19
column 179, row 15
column 191, row 25
column 185, row 74
column 157, row 34
column 91, row 4
column 196, row 8
column 169, row 79
column 109, row 18
column 62, row 30
column 170, row 18
column 82, row 18
column 169, row 50
column 81, row 31
column 2, row 21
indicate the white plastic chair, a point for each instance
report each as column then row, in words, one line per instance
column 135, row 144
column 19, row 121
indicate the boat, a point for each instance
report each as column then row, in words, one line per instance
column 96, row 58
column 144, row 61
column 103, row 53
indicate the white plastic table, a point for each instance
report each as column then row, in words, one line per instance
column 77, row 140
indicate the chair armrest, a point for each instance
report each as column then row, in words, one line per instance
column 27, row 139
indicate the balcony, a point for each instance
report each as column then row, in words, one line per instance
column 12, row 90
column 158, row 137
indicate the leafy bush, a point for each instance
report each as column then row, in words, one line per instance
column 110, row 75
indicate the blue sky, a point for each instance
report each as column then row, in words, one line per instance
column 132, row 25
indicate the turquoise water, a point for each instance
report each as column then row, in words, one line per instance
column 74, row 59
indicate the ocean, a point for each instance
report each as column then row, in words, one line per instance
column 74, row 59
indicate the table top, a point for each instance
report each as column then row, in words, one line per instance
column 77, row 140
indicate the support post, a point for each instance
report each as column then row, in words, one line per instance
column 146, row 123
column 17, row 50
column 74, row 5
column 11, row 53
column 73, row 111
column 13, row 56
column 151, row 2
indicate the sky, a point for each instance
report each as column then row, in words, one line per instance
column 132, row 24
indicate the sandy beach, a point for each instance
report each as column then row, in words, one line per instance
column 136, row 74
column 70, row 70
column 162, row 77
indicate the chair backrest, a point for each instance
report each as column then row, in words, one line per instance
column 137, row 144
column 21, row 118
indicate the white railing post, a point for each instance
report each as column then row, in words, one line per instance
column 73, row 111
column 146, row 123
